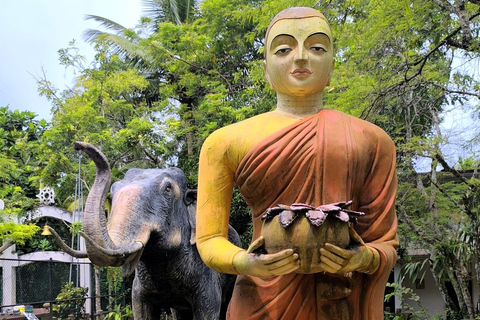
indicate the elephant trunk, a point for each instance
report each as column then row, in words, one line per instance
column 101, row 249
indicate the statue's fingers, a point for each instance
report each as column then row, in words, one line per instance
column 325, row 254
column 287, row 255
column 289, row 268
column 287, row 265
column 344, row 253
column 329, row 266
column 256, row 244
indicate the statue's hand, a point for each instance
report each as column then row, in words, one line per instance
column 265, row 265
column 360, row 258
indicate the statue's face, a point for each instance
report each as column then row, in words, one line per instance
column 299, row 56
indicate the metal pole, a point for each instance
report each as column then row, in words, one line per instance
column 92, row 294
column 50, row 278
column 123, row 293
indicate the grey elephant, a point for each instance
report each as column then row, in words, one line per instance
column 151, row 229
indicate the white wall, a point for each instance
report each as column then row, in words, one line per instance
column 430, row 298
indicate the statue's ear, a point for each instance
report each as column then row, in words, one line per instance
column 190, row 200
column 267, row 76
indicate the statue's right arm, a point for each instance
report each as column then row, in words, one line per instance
column 215, row 187
column 219, row 158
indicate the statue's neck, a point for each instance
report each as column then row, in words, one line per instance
column 299, row 106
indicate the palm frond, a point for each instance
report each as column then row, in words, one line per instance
column 106, row 23
column 90, row 35
column 155, row 10
column 174, row 13
column 118, row 43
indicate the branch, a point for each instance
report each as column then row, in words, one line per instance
column 424, row 236
column 444, row 192
column 445, row 5
column 176, row 57
column 473, row 94
column 453, row 171
column 443, row 42
column 203, row 69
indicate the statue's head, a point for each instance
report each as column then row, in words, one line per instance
column 298, row 52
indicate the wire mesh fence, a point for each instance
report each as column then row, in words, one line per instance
column 57, row 290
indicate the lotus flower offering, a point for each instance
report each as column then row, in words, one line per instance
column 306, row 229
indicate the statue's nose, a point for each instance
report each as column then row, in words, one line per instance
column 301, row 55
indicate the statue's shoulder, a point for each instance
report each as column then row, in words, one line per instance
column 371, row 135
column 235, row 136
column 243, row 130
column 236, row 140
column 367, row 128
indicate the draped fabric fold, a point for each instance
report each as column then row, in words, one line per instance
column 325, row 158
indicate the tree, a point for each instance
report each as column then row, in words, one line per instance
column 107, row 109
column 396, row 67
column 20, row 166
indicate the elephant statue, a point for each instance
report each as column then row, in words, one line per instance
column 151, row 229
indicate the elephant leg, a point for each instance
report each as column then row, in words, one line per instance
column 208, row 306
column 182, row 314
column 143, row 310
column 141, row 307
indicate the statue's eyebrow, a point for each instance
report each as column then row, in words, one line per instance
column 283, row 35
column 319, row 33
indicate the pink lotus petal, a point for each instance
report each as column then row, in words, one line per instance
column 329, row 208
column 301, row 206
column 316, row 217
column 286, row 218
column 354, row 213
column 343, row 216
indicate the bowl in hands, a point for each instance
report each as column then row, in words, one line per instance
column 306, row 229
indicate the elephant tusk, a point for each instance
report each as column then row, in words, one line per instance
column 120, row 252
column 65, row 247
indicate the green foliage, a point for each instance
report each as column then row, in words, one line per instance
column 70, row 300
column 75, row 227
column 19, row 171
column 404, row 294
column 120, row 312
column 17, row 233
column 37, row 242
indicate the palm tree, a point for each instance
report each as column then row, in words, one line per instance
column 124, row 42
column 175, row 11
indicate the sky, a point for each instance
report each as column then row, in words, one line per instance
column 31, row 33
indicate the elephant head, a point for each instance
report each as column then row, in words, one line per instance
column 146, row 204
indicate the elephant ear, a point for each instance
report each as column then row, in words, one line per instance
column 190, row 200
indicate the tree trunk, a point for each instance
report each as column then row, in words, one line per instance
column 442, row 288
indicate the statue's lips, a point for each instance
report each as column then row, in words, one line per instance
column 301, row 73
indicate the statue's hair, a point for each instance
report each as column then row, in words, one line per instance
column 296, row 13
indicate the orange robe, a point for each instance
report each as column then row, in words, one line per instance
column 324, row 158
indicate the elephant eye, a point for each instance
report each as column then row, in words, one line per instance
column 167, row 187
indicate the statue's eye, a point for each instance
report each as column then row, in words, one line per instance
column 318, row 49
column 282, row 51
